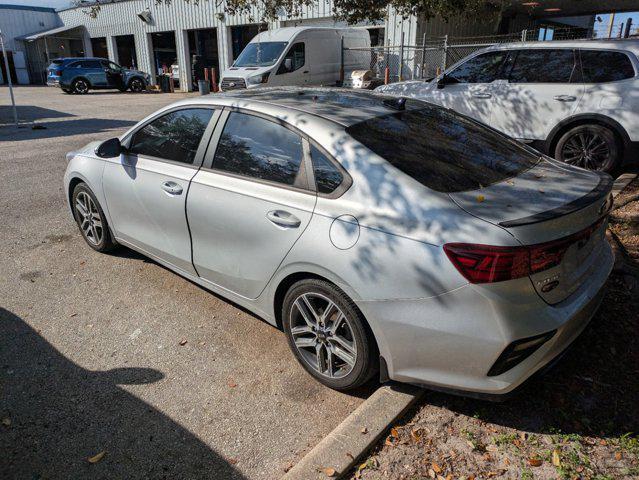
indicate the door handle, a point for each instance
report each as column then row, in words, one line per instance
column 481, row 95
column 565, row 98
column 172, row 188
column 283, row 219
column 305, row 71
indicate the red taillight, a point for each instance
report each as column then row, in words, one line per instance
column 57, row 73
column 486, row 264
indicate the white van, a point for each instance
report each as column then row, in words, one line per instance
column 298, row 56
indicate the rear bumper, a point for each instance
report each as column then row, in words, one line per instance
column 450, row 342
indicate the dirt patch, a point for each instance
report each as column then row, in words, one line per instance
column 579, row 421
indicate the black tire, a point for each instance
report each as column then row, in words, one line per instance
column 136, row 85
column 80, row 86
column 105, row 241
column 589, row 146
column 366, row 357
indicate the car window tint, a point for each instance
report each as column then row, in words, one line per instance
column 327, row 175
column 600, row 66
column 90, row 64
column 258, row 148
column 483, row 68
column 543, row 66
column 443, row 150
column 174, row 136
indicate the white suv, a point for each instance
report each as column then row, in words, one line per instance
column 575, row 100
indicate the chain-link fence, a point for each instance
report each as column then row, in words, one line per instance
column 405, row 62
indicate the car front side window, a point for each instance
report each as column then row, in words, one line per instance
column 257, row 148
column 294, row 60
column 483, row 68
column 174, row 136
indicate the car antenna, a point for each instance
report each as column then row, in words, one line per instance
column 396, row 103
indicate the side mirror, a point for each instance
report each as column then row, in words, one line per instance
column 441, row 82
column 110, row 148
column 288, row 64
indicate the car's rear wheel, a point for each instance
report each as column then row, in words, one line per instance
column 136, row 85
column 328, row 334
column 589, row 146
column 91, row 219
column 80, row 86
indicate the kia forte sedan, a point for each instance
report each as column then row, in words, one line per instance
column 381, row 234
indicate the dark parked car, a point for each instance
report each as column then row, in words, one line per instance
column 79, row 75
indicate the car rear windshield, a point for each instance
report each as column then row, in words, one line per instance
column 442, row 150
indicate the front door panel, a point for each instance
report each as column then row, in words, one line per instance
column 146, row 199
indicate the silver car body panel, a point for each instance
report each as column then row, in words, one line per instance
column 380, row 242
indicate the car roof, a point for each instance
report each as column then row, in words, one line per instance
column 606, row 44
column 285, row 34
column 71, row 59
column 338, row 105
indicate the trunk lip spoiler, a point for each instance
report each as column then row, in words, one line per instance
column 602, row 189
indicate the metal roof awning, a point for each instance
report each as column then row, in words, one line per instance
column 46, row 33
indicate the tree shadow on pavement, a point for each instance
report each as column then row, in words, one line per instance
column 29, row 113
column 64, row 128
column 56, row 415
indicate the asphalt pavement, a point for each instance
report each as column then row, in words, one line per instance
column 112, row 366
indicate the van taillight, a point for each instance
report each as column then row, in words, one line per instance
column 486, row 263
column 57, row 73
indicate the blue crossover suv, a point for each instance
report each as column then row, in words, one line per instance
column 79, row 75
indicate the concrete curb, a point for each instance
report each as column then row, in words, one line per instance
column 621, row 182
column 341, row 448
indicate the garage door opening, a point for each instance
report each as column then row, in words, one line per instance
column 203, row 53
column 243, row 34
column 127, row 56
column 99, row 47
column 164, row 51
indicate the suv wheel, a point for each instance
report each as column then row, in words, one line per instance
column 136, row 85
column 593, row 147
column 328, row 335
column 80, row 86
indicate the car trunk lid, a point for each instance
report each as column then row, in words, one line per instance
column 557, row 211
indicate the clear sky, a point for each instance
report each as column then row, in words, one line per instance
column 38, row 3
column 602, row 27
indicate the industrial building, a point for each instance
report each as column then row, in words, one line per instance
column 152, row 36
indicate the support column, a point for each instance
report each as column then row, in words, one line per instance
column 86, row 43
column 224, row 47
column 112, row 48
column 184, row 60
column 144, row 53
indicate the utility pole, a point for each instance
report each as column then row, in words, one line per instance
column 611, row 24
column 6, row 68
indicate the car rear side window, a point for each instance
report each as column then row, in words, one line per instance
column 443, row 150
column 174, row 136
column 483, row 68
column 258, row 148
column 327, row 175
column 600, row 66
column 544, row 65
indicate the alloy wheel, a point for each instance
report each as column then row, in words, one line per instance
column 323, row 335
column 136, row 85
column 89, row 218
column 81, row 87
column 587, row 150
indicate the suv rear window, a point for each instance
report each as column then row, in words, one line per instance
column 443, row 150
column 601, row 66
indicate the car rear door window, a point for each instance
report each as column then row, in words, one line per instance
column 327, row 176
column 442, row 150
column 543, row 65
column 174, row 136
column 483, row 68
column 255, row 147
column 600, row 66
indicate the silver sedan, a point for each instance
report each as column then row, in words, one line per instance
column 381, row 234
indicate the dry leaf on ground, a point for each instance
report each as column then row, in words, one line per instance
column 97, row 458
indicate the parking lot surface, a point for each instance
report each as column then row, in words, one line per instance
column 114, row 358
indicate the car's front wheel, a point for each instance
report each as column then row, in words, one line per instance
column 593, row 147
column 328, row 334
column 136, row 85
column 80, row 86
column 91, row 219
